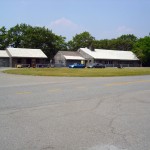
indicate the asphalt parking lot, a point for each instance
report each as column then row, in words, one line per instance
column 66, row 113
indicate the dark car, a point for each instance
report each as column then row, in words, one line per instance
column 75, row 65
column 96, row 65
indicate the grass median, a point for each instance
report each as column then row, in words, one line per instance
column 85, row 72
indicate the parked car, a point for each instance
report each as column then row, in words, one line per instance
column 75, row 65
column 96, row 65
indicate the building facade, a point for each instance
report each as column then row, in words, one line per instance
column 110, row 58
column 4, row 59
column 66, row 58
column 22, row 56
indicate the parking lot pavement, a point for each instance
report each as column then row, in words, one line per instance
column 46, row 113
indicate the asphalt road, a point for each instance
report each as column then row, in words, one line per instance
column 66, row 113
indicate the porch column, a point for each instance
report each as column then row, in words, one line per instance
column 10, row 62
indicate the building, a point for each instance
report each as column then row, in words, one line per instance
column 4, row 59
column 66, row 58
column 23, row 56
column 110, row 58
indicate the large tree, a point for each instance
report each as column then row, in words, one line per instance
column 81, row 40
column 126, row 42
column 102, row 44
column 3, row 38
column 142, row 50
column 26, row 36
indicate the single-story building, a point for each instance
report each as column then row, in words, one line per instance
column 22, row 56
column 4, row 59
column 66, row 58
column 110, row 58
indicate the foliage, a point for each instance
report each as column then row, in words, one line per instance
column 102, row 44
column 26, row 36
column 142, row 50
column 3, row 38
column 124, row 42
column 81, row 40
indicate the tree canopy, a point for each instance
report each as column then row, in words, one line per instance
column 3, row 38
column 84, row 39
column 124, row 42
column 26, row 36
column 142, row 50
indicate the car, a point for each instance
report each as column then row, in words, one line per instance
column 96, row 65
column 76, row 65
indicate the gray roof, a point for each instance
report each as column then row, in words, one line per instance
column 26, row 53
column 3, row 54
column 70, row 53
column 110, row 54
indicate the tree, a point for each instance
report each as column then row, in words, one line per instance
column 126, row 42
column 15, row 35
column 3, row 38
column 26, row 36
column 81, row 40
column 103, row 44
column 142, row 49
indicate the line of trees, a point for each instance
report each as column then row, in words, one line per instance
column 26, row 36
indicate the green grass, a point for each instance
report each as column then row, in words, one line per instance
column 68, row 72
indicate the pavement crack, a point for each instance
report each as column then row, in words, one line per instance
column 114, row 131
column 48, row 148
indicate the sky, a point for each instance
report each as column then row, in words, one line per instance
column 103, row 19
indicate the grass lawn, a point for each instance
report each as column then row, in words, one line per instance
column 74, row 72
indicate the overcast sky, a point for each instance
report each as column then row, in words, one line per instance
column 101, row 18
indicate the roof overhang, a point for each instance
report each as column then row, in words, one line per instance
column 110, row 54
column 25, row 53
column 74, row 57
column 3, row 54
